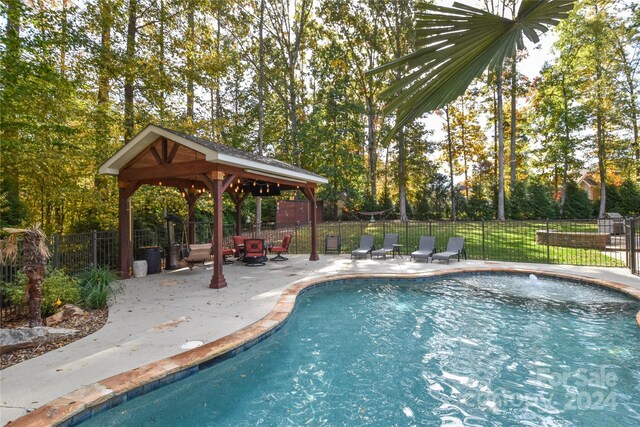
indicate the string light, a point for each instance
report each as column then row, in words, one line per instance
column 159, row 182
column 231, row 185
column 238, row 180
column 278, row 185
column 254, row 183
column 260, row 190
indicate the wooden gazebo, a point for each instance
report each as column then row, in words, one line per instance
column 164, row 157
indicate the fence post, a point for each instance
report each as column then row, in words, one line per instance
column 430, row 232
column 384, row 227
column 361, row 228
column 295, row 232
column 484, row 254
column 406, row 235
column 632, row 246
column 56, row 250
column 94, row 247
column 548, row 241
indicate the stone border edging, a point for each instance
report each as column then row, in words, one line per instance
column 81, row 404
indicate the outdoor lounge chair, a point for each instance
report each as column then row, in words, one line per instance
column 255, row 253
column 366, row 246
column 425, row 249
column 455, row 247
column 284, row 248
column 387, row 246
column 332, row 243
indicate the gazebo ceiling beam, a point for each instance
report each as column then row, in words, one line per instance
column 176, row 182
column 167, row 171
column 259, row 176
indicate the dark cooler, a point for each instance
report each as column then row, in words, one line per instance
column 153, row 256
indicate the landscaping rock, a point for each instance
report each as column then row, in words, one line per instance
column 67, row 312
column 15, row 339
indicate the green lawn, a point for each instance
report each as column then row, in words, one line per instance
column 503, row 241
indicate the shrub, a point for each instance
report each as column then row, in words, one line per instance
column 58, row 289
column 98, row 287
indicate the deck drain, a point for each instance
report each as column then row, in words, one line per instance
column 189, row 345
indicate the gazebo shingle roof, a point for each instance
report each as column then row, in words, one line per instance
column 232, row 151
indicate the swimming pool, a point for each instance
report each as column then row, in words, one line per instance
column 472, row 349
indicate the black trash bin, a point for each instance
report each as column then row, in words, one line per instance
column 153, row 256
column 172, row 260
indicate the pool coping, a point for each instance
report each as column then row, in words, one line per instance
column 84, row 402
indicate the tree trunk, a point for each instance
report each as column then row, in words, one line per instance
column 190, row 49
column 601, row 163
column 566, row 145
column 106, row 22
column 371, row 144
column 218, row 135
column 402, row 178
column 293, row 114
column 500, row 120
column 260, row 105
column 129, row 74
column 512, row 164
column 35, row 256
column 450, row 152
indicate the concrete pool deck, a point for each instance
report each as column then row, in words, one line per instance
column 159, row 313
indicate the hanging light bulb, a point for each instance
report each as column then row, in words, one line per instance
column 260, row 190
column 182, row 193
column 254, row 183
column 278, row 185
column 238, row 180
column 159, row 182
column 231, row 185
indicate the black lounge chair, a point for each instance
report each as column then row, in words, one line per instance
column 366, row 246
column 425, row 249
column 387, row 246
column 455, row 247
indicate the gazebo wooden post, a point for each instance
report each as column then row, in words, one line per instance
column 192, row 197
column 238, row 201
column 217, row 280
column 125, row 190
column 310, row 193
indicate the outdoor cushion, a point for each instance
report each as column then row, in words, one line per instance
column 426, row 248
column 387, row 245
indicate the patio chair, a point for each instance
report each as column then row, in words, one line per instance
column 255, row 253
column 366, row 246
column 387, row 246
column 284, row 248
column 455, row 247
column 332, row 243
column 238, row 245
column 226, row 253
column 425, row 249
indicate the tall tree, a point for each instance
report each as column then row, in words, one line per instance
column 455, row 45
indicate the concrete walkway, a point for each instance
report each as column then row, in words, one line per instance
column 159, row 313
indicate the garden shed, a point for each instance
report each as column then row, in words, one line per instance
column 164, row 157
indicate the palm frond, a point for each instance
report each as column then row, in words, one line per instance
column 454, row 45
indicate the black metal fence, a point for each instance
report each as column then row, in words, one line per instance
column 632, row 233
column 573, row 242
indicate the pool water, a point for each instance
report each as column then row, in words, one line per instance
column 472, row 350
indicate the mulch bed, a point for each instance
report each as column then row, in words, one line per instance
column 94, row 320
